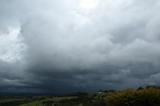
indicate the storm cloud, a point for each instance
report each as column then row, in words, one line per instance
column 62, row 46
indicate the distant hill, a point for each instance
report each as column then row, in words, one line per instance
column 148, row 96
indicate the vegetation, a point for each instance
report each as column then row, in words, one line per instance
column 149, row 96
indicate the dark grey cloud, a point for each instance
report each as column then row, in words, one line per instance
column 60, row 47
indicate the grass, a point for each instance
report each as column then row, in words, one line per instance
column 70, row 100
column 54, row 99
column 10, row 100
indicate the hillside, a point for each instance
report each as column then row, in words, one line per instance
column 149, row 96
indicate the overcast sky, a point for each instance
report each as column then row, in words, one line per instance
column 62, row 46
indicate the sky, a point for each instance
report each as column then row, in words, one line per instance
column 64, row 46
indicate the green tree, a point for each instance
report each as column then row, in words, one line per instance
column 149, row 96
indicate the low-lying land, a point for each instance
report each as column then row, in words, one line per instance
column 149, row 96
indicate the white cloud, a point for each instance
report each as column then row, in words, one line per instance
column 61, row 41
column 11, row 46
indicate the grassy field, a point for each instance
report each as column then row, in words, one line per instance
column 149, row 96
column 71, row 100
column 48, row 101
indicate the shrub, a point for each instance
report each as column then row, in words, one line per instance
column 130, row 97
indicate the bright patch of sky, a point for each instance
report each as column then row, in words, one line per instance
column 11, row 46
